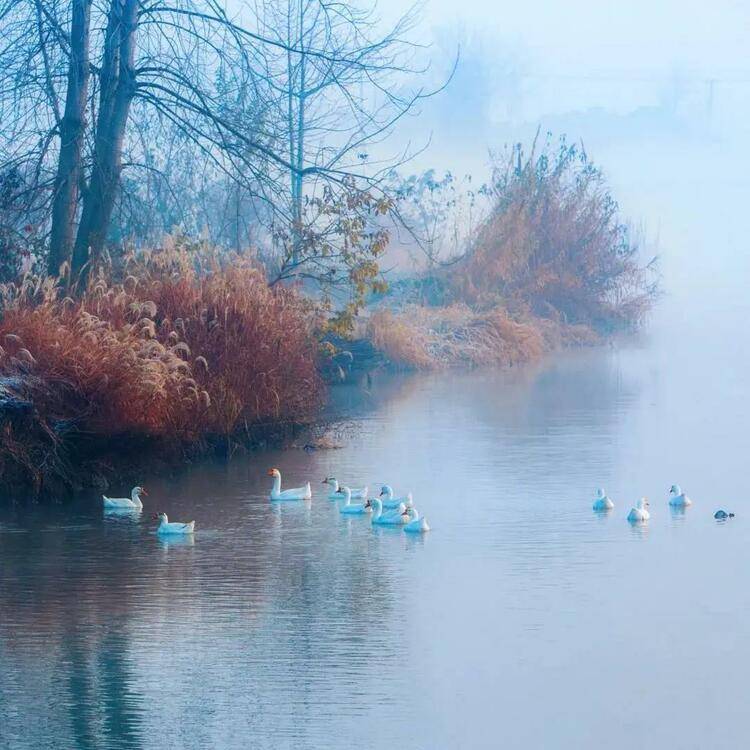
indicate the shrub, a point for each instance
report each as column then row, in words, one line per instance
column 184, row 347
column 113, row 378
column 554, row 245
column 250, row 347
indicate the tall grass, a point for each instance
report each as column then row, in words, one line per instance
column 182, row 348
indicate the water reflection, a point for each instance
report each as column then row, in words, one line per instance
column 260, row 628
column 120, row 513
column 639, row 529
column 678, row 514
column 175, row 541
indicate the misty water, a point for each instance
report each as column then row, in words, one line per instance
column 522, row 620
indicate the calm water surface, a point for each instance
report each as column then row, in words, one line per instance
column 523, row 620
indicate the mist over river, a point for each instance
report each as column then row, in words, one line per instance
column 522, row 620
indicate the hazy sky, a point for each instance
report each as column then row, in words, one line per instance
column 574, row 55
column 589, row 36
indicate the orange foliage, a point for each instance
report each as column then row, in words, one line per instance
column 554, row 245
column 183, row 348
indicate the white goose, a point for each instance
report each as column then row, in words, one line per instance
column 677, row 498
column 130, row 503
column 395, row 517
column 165, row 527
column 297, row 493
column 352, row 508
column 415, row 524
column 639, row 513
column 602, row 502
column 390, row 502
column 357, row 493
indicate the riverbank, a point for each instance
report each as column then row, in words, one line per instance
column 432, row 338
column 183, row 355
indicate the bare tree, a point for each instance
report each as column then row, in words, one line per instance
column 334, row 107
column 71, row 129
column 282, row 103
column 116, row 90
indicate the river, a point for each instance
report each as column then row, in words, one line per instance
column 523, row 620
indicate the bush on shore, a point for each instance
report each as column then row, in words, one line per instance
column 182, row 349
column 551, row 264
column 554, row 245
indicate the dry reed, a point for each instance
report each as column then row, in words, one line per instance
column 184, row 347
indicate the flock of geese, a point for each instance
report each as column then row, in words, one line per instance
column 640, row 514
column 385, row 510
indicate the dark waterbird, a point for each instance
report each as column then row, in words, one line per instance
column 722, row 515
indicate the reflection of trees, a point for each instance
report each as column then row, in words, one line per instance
column 548, row 413
column 104, row 709
column 64, row 614
column 356, row 400
column 557, row 391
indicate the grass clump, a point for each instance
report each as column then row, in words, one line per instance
column 435, row 337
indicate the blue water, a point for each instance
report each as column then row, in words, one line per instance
column 522, row 620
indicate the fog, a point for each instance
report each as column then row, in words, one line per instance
column 522, row 615
column 658, row 95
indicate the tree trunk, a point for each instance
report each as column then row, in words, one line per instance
column 65, row 201
column 296, row 125
column 117, row 81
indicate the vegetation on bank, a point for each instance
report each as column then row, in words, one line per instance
column 551, row 263
column 184, row 351
column 554, row 245
column 426, row 338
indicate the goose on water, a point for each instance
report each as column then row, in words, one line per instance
column 640, row 512
column 602, row 502
column 722, row 515
column 357, row 493
column 395, row 517
column 133, row 502
column 415, row 524
column 165, row 527
column 390, row 501
column 351, row 508
column 677, row 498
column 297, row 493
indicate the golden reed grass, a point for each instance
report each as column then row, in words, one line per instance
column 182, row 348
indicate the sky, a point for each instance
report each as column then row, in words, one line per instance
column 548, row 57
column 586, row 36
